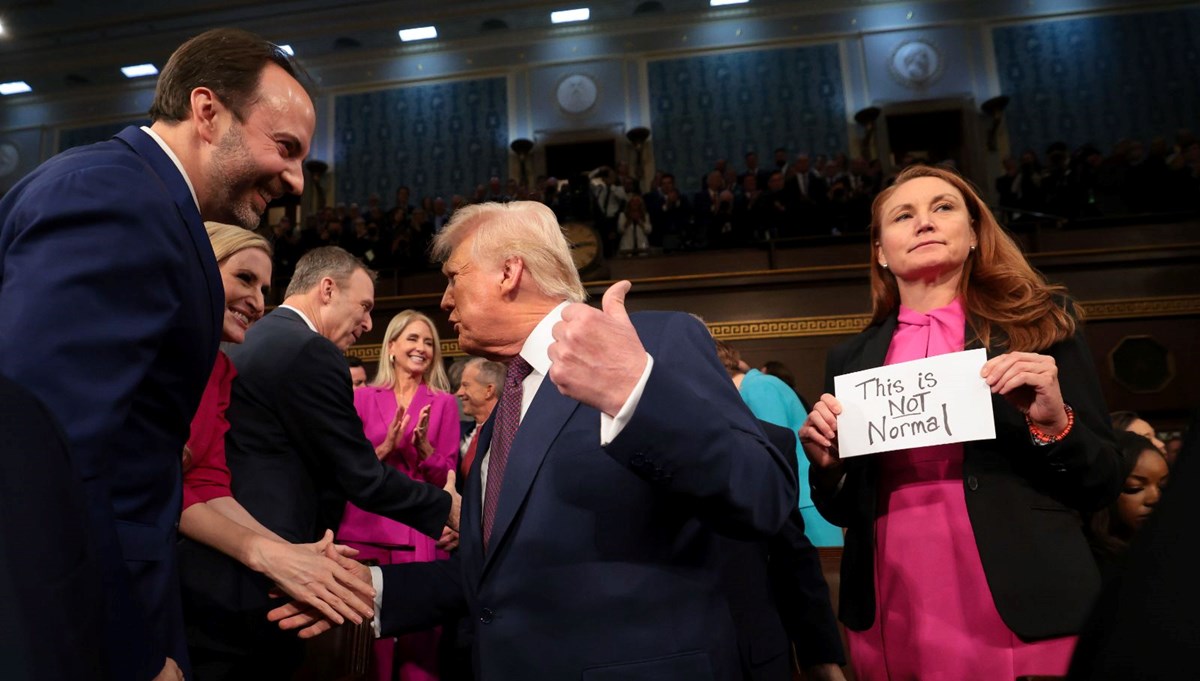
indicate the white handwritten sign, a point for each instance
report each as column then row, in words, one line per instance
column 932, row 401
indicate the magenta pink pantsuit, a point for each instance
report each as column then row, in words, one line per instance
column 415, row 654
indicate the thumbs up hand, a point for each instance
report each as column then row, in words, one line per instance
column 597, row 355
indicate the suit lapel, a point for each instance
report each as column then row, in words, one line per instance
column 176, row 186
column 546, row 417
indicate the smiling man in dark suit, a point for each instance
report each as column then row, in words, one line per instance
column 617, row 454
column 111, row 306
column 296, row 453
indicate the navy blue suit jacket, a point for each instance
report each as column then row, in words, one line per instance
column 778, row 594
column 110, row 313
column 604, row 561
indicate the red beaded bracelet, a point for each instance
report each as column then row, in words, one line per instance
column 1041, row 438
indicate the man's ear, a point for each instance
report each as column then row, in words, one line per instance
column 489, row 392
column 326, row 289
column 205, row 108
column 511, row 271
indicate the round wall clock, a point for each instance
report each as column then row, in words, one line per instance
column 585, row 244
column 576, row 93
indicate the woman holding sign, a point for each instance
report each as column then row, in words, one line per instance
column 966, row 560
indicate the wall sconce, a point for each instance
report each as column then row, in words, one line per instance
column 521, row 147
column 637, row 137
column 994, row 108
column 866, row 118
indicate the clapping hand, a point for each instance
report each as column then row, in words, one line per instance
column 420, row 435
column 394, row 431
column 323, row 576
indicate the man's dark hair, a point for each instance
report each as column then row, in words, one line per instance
column 228, row 61
column 353, row 362
column 327, row 261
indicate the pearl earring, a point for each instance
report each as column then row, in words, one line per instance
column 883, row 265
column 391, row 359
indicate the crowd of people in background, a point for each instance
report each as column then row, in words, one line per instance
column 1133, row 178
column 795, row 195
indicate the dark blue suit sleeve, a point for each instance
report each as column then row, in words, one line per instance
column 84, row 246
column 692, row 435
column 418, row 596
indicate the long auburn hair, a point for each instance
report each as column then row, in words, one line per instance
column 1009, row 305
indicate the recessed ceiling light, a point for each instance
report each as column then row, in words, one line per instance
column 718, row 3
column 420, row 33
column 139, row 70
column 1, row 28
column 16, row 87
column 569, row 15
column 287, row 49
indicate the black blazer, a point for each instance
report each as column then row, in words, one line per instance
column 1024, row 501
column 778, row 595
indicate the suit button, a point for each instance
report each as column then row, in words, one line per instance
column 486, row 615
column 972, row 483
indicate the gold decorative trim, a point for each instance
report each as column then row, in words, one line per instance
column 793, row 327
column 844, row 325
column 1137, row 308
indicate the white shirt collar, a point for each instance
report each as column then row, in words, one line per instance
column 302, row 316
column 174, row 159
column 536, row 350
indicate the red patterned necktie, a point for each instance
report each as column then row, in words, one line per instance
column 504, row 431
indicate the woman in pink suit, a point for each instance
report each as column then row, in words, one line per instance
column 412, row 420
column 967, row 560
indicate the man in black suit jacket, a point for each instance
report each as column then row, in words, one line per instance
column 634, row 453
column 297, row 453
column 779, row 597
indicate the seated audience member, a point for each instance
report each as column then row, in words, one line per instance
column 1131, row 422
column 478, row 392
column 966, row 560
column 634, row 226
column 771, row 400
column 211, row 516
column 412, row 421
column 1113, row 527
column 610, row 201
column 670, row 214
column 774, row 216
column 745, row 208
column 358, row 372
column 297, row 452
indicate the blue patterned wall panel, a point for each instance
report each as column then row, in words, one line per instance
column 440, row 139
column 720, row 106
column 1100, row 79
column 77, row 137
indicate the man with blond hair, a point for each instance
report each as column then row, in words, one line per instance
column 617, row 454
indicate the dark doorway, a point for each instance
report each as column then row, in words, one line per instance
column 568, row 161
column 932, row 136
